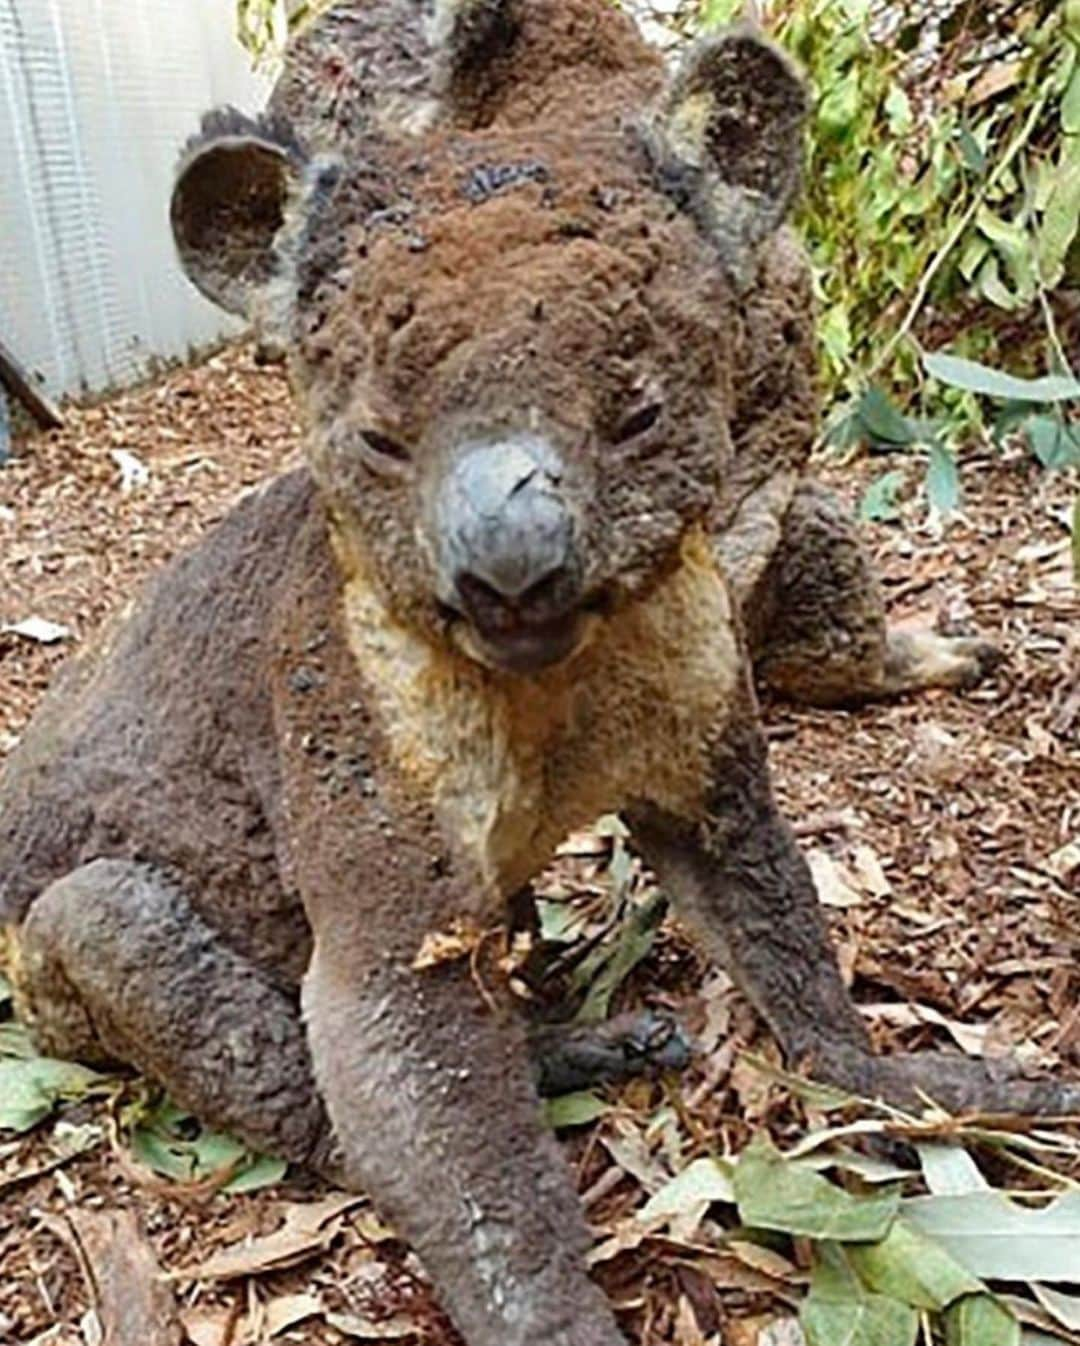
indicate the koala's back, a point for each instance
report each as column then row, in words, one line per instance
column 157, row 742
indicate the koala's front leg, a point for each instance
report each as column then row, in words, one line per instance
column 431, row 1096
column 739, row 876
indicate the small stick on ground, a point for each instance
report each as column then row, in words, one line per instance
column 134, row 1303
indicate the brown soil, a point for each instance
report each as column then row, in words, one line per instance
column 948, row 818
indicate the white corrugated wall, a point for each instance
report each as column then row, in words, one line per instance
column 96, row 100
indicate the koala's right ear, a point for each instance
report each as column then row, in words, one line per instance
column 233, row 186
column 729, row 140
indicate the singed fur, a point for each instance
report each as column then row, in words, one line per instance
column 471, row 224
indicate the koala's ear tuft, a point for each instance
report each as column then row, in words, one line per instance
column 729, row 139
column 466, row 37
column 232, row 188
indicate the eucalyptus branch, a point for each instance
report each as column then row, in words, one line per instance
column 961, row 227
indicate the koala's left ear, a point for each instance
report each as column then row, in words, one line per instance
column 232, row 190
column 729, row 140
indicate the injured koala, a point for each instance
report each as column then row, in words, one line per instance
column 553, row 347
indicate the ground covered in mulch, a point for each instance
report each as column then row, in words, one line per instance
column 944, row 833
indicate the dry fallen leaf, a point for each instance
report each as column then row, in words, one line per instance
column 970, row 1038
column 461, row 940
column 937, row 756
column 132, row 1300
column 39, row 630
column 205, row 1326
column 282, row 1312
column 832, row 886
column 687, row 1331
column 309, row 1228
column 1065, row 863
column 363, row 1328
column 133, row 471
column 869, row 871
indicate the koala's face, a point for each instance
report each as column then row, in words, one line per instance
column 514, row 359
column 514, row 350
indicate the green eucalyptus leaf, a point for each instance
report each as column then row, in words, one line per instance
column 1009, row 419
column 999, row 1239
column 773, row 1193
column 574, row 1109
column 943, row 480
column 15, row 1040
column 700, row 1183
column 172, row 1142
column 1063, row 1308
column 845, row 431
column 972, row 152
column 31, row 1087
column 1053, row 441
column 898, row 111
column 908, row 1266
column 840, row 105
column 981, row 1320
column 993, row 289
column 560, row 922
column 948, row 1169
column 716, row 13
column 883, row 421
column 609, row 966
column 973, row 256
column 1070, row 104
column 879, row 503
column 1061, row 218
column 261, row 1171
column 840, row 1311
column 973, row 377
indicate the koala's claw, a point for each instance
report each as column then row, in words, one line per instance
column 568, row 1057
column 982, row 658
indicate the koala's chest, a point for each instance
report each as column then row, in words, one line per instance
column 512, row 765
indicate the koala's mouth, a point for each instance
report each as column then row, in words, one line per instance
column 522, row 646
column 531, row 649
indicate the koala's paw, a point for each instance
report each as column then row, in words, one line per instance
column 569, row 1057
column 919, row 659
column 978, row 659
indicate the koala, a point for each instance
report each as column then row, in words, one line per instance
column 552, row 345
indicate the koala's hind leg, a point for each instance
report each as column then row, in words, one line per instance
column 818, row 619
column 115, row 965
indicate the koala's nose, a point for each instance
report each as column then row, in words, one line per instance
column 506, row 535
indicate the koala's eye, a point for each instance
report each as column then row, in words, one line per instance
column 383, row 454
column 640, row 420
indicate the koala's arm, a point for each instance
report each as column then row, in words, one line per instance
column 429, row 1089
column 739, row 876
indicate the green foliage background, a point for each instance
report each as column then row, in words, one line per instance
column 943, row 186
